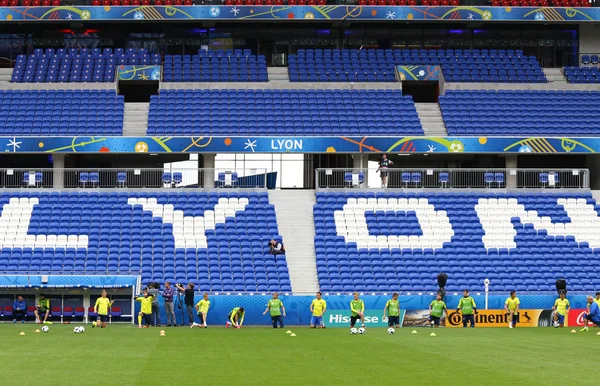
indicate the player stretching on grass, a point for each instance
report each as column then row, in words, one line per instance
column 511, row 307
column 561, row 307
column 146, row 311
column 202, row 311
column 436, row 311
column 392, row 308
column 101, row 309
column 236, row 317
column 469, row 309
column 275, row 306
column 318, row 308
column 357, row 309
column 593, row 314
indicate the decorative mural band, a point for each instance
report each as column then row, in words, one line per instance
column 138, row 72
column 252, row 144
column 419, row 72
column 322, row 12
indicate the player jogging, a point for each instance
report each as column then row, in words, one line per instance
column 468, row 308
column 202, row 311
column 436, row 310
column 318, row 308
column 101, row 309
column 561, row 307
column 511, row 307
column 593, row 315
column 236, row 317
column 357, row 311
column 146, row 311
column 275, row 306
column 392, row 308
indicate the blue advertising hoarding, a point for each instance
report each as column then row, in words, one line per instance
column 287, row 12
column 419, row 73
column 255, row 144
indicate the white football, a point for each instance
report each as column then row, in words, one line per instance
column 361, row 330
column 76, row 330
column 353, row 330
column 391, row 330
column 82, row 329
column 45, row 329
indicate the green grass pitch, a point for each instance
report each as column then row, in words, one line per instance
column 126, row 355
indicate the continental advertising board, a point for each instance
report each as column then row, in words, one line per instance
column 498, row 318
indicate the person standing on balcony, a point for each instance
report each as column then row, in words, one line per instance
column 384, row 164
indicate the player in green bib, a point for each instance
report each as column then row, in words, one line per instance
column 357, row 311
column 469, row 309
column 275, row 306
column 392, row 308
column 436, row 311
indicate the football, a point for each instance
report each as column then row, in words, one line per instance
column 391, row 330
column 77, row 330
column 45, row 329
column 353, row 330
column 361, row 330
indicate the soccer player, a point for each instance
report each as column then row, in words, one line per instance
column 357, row 311
column 43, row 308
column 436, row 311
column 511, row 307
column 597, row 300
column 561, row 306
column 593, row 315
column 468, row 308
column 392, row 308
column 101, row 309
column 275, row 306
column 318, row 308
column 236, row 317
column 202, row 311
column 146, row 311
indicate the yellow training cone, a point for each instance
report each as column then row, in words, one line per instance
column 37, row 330
column 288, row 332
column 162, row 331
column 22, row 333
column 292, row 334
column 432, row 334
column 414, row 332
column 598, row 333
column 573, row 331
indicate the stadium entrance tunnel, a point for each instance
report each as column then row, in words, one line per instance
column 140, row 92
column 421, row 92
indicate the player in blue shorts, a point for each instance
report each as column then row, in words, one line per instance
column 318, row 308
column 593, row 316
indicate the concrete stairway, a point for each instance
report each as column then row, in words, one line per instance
column 5, row 74
column 278, row 74
column 555, row 75
column 431, row 119
column 294, row 210
column 135, row 119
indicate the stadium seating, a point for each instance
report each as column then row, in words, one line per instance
column 76, row 65
column 61, row 112
column 30, row 3
column 283, row 112
column 525, row 241
column 216, row 66
column 521, row 112
column 218, row 241
column 503, row 66
column 541, row 3
column 583, row 74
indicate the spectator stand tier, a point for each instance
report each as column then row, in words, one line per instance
column 378, row 65
column 383, row 242
column 283, row 112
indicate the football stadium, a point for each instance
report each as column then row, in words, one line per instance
column 308, row 192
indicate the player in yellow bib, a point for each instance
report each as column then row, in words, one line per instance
column 202, row 311
column 103, row 303
column 318, row 308
column 511, row 307
column 561, row 307
column 146, row 309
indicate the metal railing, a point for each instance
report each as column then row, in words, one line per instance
column 166, row 178
column 396, row 178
